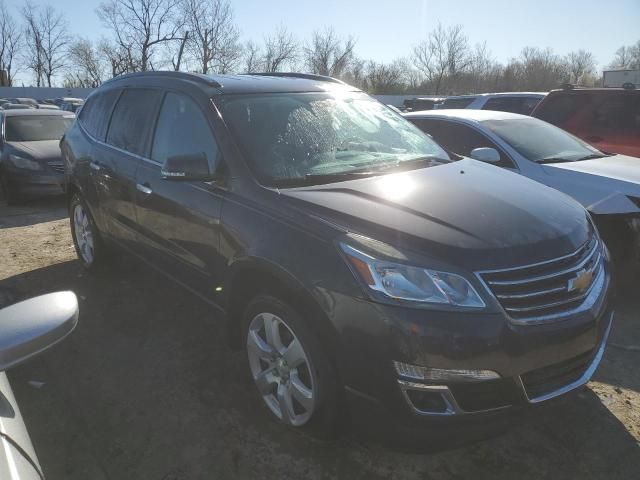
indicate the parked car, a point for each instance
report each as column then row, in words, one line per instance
column 420, row 104
column 350, row 253
column 30, row 159
column 71, row 106
column 607, row 118
column 16, row 106
column 607, row 185
column 60, row 101
column 515, row 102
column 24, row 101
column 46, row 106
column 27, row 329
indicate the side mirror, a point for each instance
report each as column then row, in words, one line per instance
column 32, row 326
column 486, row 154
column 193, row 166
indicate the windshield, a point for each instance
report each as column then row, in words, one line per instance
column 306, row 136
column 540, row 141
column 33, row 128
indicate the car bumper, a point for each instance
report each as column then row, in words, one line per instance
column 534, row 363
column 35, row 183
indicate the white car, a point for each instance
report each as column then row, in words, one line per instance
column 514, row 102
column 607, row 185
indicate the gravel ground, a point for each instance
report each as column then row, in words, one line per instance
column 146, row 388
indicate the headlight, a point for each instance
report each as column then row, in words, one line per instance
column 413, row 284
column 21, row 162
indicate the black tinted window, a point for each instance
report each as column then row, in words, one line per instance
column 182, row 130
column 459, row 138
column 33, row 128
column 504, row 104
column 132, row 119
column 457, row 102
column 95, row 113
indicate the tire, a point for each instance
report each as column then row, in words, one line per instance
column 87, row 241
column 11, row 196
column 308, row 370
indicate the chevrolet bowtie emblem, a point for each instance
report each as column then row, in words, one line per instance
column 580, row 282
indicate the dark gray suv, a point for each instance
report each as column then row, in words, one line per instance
column 354, row 258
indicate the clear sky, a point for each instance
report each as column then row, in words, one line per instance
column 387, row 29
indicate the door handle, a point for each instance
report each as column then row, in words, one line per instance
column 144, row 189
column 95, row 166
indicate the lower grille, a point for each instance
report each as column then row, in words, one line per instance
column 547, row 289
column 56, row 166
column 554, row 377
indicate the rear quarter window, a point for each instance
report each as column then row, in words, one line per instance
column 94, row 115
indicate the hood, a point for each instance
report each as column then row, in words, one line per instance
column 466, row 212
column 617, row 167
column 607, row 185
column 47, row 150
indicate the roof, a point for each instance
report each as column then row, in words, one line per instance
column 500, row 94
column 466, row 114
column 248, row 83
column 23, row 112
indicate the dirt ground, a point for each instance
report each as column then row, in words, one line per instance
column 147, row 388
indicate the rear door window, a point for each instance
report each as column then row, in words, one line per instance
column 94, row 115
column 130, row 125
column 183, row 129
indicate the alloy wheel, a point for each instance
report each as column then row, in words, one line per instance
column 83, row 234
column 281, row 369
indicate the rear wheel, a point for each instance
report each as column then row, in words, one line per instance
column 290, row 369
column 86, row 237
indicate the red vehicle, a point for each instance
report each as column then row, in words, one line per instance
column 607, row 118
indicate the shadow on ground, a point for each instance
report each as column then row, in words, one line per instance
column 32, row 211
column 147, row 388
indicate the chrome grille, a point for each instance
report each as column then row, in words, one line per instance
column 56, row 166
column 548, row 289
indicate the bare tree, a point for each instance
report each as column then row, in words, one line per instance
column 10, row 44
column 280, row 48
column 55, row 39
column 445, row 53
column 252, row 57
column 33, row 57
column 119, row 58
column 138, row 26
column 627, row 57
column 214, row 40
column 88, row 65
column 580, row 64
column 327, row 54
column 383, row 78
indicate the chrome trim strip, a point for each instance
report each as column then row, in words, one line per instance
column 504, row 283
column 539, row 293
column 593, row 296
column 545, row 262
column 586, row 376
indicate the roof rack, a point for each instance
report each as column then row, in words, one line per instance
column 171, row 74
column 308, row 76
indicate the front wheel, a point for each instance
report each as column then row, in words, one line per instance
column 86, row 237
column 290, row 368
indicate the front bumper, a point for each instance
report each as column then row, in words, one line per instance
column 535, row 363
column 27, row 182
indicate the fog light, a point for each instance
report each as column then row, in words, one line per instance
column 417, row 372
column 427, row 402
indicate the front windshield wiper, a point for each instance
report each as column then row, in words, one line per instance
column 319, row 178
column 563, row 159
column 412, row 163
